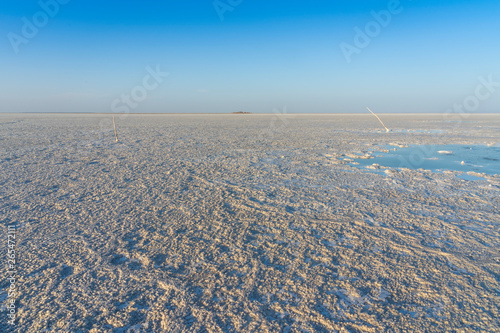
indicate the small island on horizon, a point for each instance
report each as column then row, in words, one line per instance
column 241, row 112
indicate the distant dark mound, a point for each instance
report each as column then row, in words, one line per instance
column 241, row 112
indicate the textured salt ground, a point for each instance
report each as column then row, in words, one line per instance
column 245, row 223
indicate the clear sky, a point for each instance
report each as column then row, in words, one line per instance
column 250, row 55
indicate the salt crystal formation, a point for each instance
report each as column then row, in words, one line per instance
column 217, row 223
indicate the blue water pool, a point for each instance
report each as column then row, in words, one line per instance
column 463, row 158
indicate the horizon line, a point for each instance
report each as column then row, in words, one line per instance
column 250, row 114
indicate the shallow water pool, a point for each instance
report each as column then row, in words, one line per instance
column 463, row 158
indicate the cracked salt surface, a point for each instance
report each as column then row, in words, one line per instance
column 197, row 223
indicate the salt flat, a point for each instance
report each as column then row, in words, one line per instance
column 246, row 223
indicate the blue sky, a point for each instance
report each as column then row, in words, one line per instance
column 262, row 55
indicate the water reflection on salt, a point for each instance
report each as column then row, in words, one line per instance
column 462, row 158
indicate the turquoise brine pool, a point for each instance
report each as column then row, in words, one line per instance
column 463, row 158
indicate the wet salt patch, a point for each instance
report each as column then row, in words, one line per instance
column 400, row 145
column 329, row 243
column 3, row 296
column 374, row 166
column 463, row 158
column 470, row 177
column 383, row 294
column 424, row 131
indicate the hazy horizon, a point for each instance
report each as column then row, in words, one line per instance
column 254, row 56
column 277, row 113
